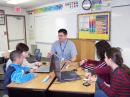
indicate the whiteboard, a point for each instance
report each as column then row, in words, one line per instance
column 121, row 27
column 47, row 26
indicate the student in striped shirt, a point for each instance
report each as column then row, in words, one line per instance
column 99, row 67
column 120, row 76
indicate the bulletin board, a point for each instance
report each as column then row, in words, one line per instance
column 94, row 26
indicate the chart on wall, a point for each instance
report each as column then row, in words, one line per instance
column 94, row 26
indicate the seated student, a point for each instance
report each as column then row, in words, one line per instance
column 120, row 76
column 15, row 72
column 99, row 67
column 23, row 48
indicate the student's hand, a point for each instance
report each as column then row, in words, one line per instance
column 38, row 64
column 88, row 75
column 88, row 79
column 32, row 70
column 82, row 62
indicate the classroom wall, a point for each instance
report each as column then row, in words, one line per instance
column 31, row 29
column 3, row 37
column 118, row 38
column 64, row 11
column 120, row 24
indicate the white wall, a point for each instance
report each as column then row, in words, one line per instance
column 120, row 34
column 75, row 11
column 117, row 36
column 120, row 2
column 3, row 38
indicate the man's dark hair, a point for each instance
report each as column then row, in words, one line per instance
column 64, row 31
column 15, row 54
column 22, row 47
column 101, row 48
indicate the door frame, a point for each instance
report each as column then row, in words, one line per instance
column 7, row 15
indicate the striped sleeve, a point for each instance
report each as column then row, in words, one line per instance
column 102, row 70
column 115, row 86
column 94, row 62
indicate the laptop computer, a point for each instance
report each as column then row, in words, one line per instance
column 46, row 62
column 36, row 57
column 64, row 76
column 31, row 59
column 46, row 65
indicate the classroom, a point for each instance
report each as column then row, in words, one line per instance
column 59, row 48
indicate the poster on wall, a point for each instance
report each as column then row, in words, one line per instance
column 2, row 17
column 101, row 5
column 94, row 26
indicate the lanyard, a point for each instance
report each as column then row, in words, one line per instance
column 62, row 50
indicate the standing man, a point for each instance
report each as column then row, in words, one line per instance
column 64, row 48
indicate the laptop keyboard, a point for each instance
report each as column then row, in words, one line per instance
column 69, row 76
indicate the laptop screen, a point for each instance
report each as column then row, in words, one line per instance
column 37, row 54
column 37, row 51
column 57, row 68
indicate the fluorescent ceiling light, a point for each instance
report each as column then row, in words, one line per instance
column 17, row 1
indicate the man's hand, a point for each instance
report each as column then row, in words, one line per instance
column 49, row 55
column 68, row 62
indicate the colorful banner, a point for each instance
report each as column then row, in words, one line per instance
column 46, row 9
column 94, row 26
column 54, row 7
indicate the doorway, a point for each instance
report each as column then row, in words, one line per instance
column 16, row 30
